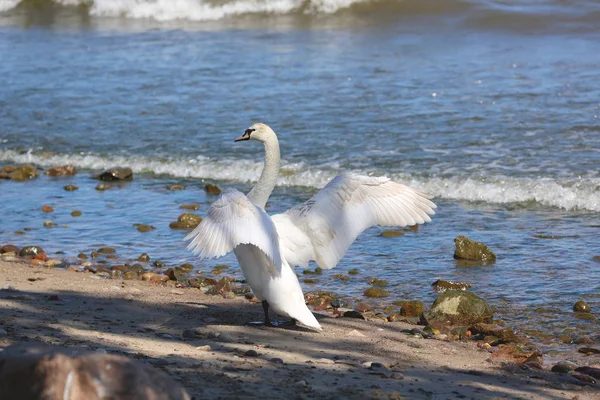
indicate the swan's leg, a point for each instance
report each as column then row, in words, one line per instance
column 265, row 306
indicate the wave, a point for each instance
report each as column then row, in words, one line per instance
column 568, row 194
column 486, row 12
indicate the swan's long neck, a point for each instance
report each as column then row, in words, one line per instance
column 268, row 178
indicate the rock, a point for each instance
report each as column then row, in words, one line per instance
column 311, row 281
column 48, row 224
column 212, row 189
column 47, row 208
column 353, row 314
column 391, row 233
column 251, row 353
column 563, row 367
column 76, row 213
column 583, row 378
column 71, row 188
column 581, row 306
column 353, row 271
column 39, row 372
column 337, row 303
column 102, row 187
column 206, row 347
column 378, row 369
column 190, row 206
column 144, row 257
column 34, row 252
column 106, row 250
column 585, row 316
column 9, row 248
column 19, row 174
column 458, row 307
column 441, row 285
column 145, row 228
column 468, row 249
column 588, row 350
column 115, row 174
column 62, row 170
column 176, row 274
column 397, row 375
column 591, row 371
column 596, row 258
column 375, row 292
column 412, row 309
column 502, row 334
column 175, row 187
column 377, row 282
column 186, row 221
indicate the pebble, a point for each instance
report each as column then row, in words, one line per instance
column 355, row 333
column 563, row 367
column 325, row 361
column 251, row 353
column 583, row 378
column 276, row 360
column 300, row 383
column 206, row 347
column 3, row 333
column 70, row 188
column 378, row 368
column 397, row 375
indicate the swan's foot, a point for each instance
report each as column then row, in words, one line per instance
column 268, row 322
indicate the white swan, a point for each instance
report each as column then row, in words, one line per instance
column 320, row 229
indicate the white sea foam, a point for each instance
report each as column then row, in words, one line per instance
column 579, row 194
column 198, row 10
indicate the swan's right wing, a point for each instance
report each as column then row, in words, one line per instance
column 322, row 228
column 233, row 220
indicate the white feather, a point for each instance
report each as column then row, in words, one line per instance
column 320, row 229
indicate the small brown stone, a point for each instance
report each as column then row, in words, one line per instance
column 71, row 188
column 62, row 170
column 375, row 292
column 102, row 187
column 209, row 188
column 191, row 206
column 9, row 248
column 175, row 187
column 76, row 213
column 581, row 306
column 389, row 234
column 47, row 208
column 115, row 174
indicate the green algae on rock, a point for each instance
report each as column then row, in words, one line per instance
column 581, row 306
column 441, row 285
column 61, row 170
column 390, row 233
column 375, row 292
column 21, row 173
column 209, row 188
column 186, row 221
column 115, row 174
column 412, row 308
column 467, row 249
column 459, row 307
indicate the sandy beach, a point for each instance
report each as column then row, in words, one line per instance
column 203, row 342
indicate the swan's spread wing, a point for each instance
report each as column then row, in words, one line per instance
column 233, row 220
column 323, row 227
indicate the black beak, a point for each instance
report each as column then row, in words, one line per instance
column 245, row 136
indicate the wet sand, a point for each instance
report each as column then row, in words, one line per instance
column 202, row 342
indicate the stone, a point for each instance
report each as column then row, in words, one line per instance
column 9, row 248
column 581, row 306
column 37, row 371
column 19, row 174
column 106, row 250
column 47, row 208
column 251, row 353
column 391, row 233
column 563, row 367
column 353, row 314
column 591, row 371
column 375, row 292
column 102, row 187
column 441, row 285
column 61, row 170
column 175, row 187
column 596, row 258
column 76, row 213
column 501, row 334
column 585, row 316
column 468, row 249
column 337, row 303
column 144, row 257
column 458, row 307
column 186, row 221
column 33, row 252
column 3, row 333
column 353, row 271
column 583, row 378
column 176, row 274
column 145, row 228
column 377, row 282
column 209, row 188
column 412, row 309
column 115, row 174
column 71, row 188
column 588, row 350
column 190, row 206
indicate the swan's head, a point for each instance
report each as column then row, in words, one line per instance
column 259, row 131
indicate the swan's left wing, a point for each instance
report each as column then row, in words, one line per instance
column 233, row 220
column 323, row 227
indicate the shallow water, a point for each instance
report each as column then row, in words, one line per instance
column 490, row 107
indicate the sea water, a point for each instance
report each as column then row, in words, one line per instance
column 491, row 107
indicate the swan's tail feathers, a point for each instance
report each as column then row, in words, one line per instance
column 306, row 317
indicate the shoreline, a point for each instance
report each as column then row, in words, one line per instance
column 203, row 342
